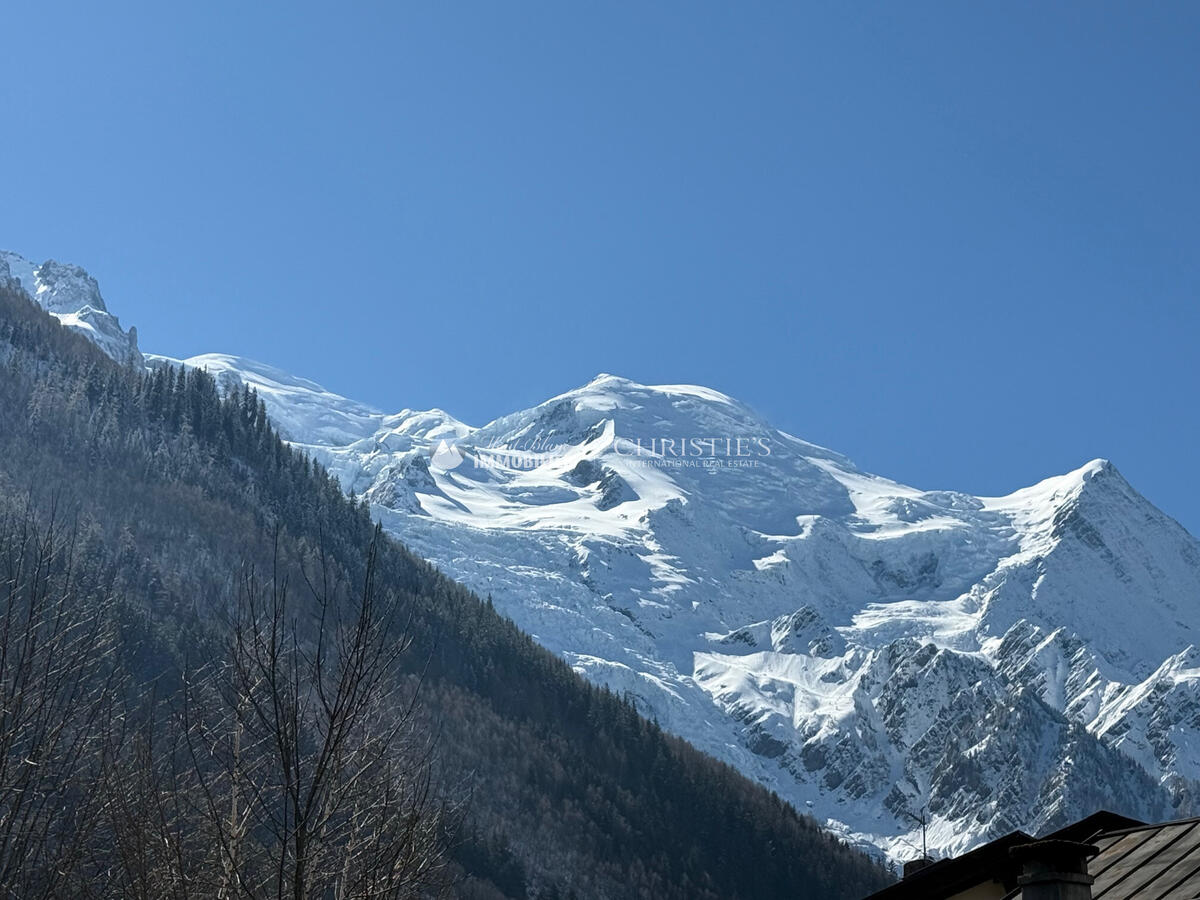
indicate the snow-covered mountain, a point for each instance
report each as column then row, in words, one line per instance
column 865, row 648
column 73, row 296
column 869, row 650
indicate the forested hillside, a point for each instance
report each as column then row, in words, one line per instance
column 171, row 494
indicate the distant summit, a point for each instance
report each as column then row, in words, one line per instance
column 862, row 647
column 73, row 296
column 865, row 648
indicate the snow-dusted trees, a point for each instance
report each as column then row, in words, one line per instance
column 57, row 698
column 176, row 486
column 298, row 750
column 288, row 766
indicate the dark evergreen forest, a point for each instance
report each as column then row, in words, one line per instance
column 159, row 534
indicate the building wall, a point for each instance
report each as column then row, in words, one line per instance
column 989, row 890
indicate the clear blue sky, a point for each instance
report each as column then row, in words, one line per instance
column 956, row 241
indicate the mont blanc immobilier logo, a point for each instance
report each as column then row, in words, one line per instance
column 526, row 454
column 446, row 456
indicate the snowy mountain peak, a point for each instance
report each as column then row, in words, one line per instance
column 57, row 287
column 253, row 372
column 616, row 384
column 860, row 646
column 1097, row 473
column 15, row 266
column 606, row 378
column 315, row 417
column 65, row 288
column 70, row 294
column 1057, row 488
column 863, row 647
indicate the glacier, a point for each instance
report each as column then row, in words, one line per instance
column 873, row 652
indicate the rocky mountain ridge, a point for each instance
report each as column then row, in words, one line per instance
column 867, row 649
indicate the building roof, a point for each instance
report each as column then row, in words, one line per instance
column 947, row 877
column 1096, row 824
column 1149, row 862
column 992, row 862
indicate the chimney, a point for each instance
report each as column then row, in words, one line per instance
column 913, row 866
column 1054, row 870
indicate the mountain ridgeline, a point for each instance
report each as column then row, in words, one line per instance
column 863, row 648
column 548, row 786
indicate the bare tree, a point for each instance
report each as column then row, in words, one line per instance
column 57, row 691
column 291, row 766
column 296, row 767
column 155, row 842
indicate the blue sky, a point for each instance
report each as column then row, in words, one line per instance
column 957, row 242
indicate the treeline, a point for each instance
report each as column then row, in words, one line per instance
column 556, row 788
column 287, row 764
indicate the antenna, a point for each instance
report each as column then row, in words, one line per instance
column 921, row 820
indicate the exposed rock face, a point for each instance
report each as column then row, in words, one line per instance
column 73, row 296
column 864, row 648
